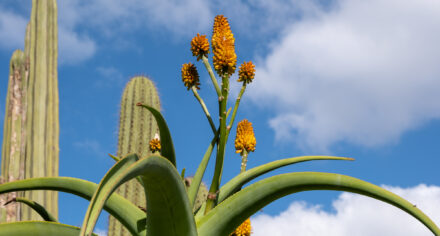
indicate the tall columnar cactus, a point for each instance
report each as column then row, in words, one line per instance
column 136, row 128
column 31, row 128
column 13, row 145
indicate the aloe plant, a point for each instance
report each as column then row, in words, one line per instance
column 169, row 199
column 31, row 128
column 136, row 128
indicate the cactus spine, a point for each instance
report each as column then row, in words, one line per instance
column 31, row 128
column 136, row 128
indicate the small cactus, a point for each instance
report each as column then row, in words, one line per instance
column 202, row 194
column 136, row 128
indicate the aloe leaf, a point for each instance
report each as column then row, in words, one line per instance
column 165, row 136
column 37, row 228
column 238, row 181
column 35, row 206
column 197, row 179
column 103, row 187
column 169, row 210
column 229, row 214
column 122, row 209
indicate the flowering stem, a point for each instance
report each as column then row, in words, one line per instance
column 237, row 103
column 244, row 156
column 211, row 74
column 205, row 109
column 213, row 190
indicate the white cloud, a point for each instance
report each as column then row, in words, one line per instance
column 361, row 72
column 101, row 232
column 74, row 48
column 12, row 29
column 111, row 17
column 354, row 215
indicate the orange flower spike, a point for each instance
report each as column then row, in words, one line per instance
column 190, row 76
column 223, row 46
column 245, row 139
column 244, row 229
column 246, row 72
column 199, row 46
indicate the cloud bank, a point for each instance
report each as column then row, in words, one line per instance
column 360, row 72
column 353, row 215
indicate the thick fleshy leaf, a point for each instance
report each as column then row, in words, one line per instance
column 238, row 181
column 197, row 179
column 37, row 228
column 35, row 206
column 169, row 211
column 100, row 196
column 119, row 207
column 229, row 214
column 166, row 141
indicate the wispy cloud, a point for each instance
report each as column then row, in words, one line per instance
column 110, row 76
column 111, row 17
column 361, row 73
column 91, row 146
column 12, row 29
column 353, row 215
column 74, row 48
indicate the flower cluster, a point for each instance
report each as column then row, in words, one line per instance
column 244, row 229
column 199, row 46
column 223, row 47
column 190, row 76
column 246, row 73
column 155, row 144
column 245, row 139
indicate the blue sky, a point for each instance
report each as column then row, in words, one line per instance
column 341, row 77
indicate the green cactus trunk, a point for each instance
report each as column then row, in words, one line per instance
column 13, row 146
column 31, row 128
column 136, row 128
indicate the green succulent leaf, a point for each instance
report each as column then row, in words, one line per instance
column 169, row 210
column 37, row 228
column 35, row 206
column 197, row 179
column 238, row 181
column 122, row 209
column 229, row 214
column 165, row 136
column 98, row 200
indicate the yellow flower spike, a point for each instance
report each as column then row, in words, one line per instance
column 246, row 73
column 155, row 144
column 223, row 46
column 245, row 139
column 199, row 46
column 190, row 76
column 244, row 229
